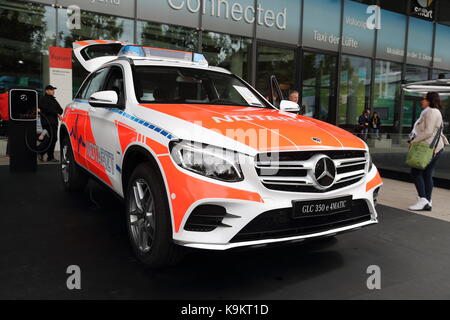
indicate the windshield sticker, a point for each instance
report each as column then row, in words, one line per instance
column 248, row 96
column 228, row 118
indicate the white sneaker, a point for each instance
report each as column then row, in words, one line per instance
column 421, row 204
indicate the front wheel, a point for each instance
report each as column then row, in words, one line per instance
column 148, row 219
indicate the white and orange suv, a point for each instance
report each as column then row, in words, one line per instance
column 202, row 160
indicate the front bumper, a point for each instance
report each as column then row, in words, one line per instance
column 258, row 243
column 242, row 213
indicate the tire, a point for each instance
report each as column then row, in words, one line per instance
column 148, row 219
column 73, row 177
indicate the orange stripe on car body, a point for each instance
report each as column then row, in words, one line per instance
column 157, row 147
column 188, row 190
column 376, row 181
column 83, row 43
column 126, row 134
column 93, row 166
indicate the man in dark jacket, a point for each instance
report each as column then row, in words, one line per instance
column 50, row 112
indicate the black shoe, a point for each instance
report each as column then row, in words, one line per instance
column 52, row 160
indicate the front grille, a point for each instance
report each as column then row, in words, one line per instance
column 280, row 224
column 294, row 170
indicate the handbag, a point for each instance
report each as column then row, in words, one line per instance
column 420, row 154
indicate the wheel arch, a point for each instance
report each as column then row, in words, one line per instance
column 136, row 154
column 63, row 132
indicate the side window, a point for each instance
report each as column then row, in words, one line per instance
column 95, row 84
column 84, row 87
column 115, row 83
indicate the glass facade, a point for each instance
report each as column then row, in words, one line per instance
column 318, row 85
column 411, row 105
column 275, row 61
column 354, row 91
column 93, row 26
column 227, row 51
column 166, row 36
column 26, row 32
column 339, row 54
column 386, row 91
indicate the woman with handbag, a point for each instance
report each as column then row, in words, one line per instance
column 427, row 135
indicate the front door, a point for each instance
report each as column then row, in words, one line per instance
column 103, row 150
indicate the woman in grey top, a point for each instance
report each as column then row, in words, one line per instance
column 425, row 130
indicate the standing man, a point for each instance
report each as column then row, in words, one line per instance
column 50, row 111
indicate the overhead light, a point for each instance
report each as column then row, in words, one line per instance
column 20, row 61
column 422, row 87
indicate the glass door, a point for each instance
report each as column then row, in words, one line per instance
column 411, row 111
column 318, row 78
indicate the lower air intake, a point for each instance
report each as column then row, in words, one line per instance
column 206, row 218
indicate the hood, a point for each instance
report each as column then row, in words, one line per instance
column 259, row 128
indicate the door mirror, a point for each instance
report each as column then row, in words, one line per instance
column 289, row 106
column 104, row 99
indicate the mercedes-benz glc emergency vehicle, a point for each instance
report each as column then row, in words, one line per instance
column 203, row 160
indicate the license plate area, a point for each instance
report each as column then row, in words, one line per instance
column 313, row 208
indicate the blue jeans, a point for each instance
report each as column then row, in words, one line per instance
column 423, row 179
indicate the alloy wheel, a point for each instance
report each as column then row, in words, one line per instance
column 141, row 215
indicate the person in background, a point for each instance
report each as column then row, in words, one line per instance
column 374, row 126
column 50, row 112
column 425, row 130
column 363, row 121
column 293, row 96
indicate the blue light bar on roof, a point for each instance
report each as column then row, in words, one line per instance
column 140, row 51
column 131, row 50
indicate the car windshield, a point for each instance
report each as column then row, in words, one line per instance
column 167, row 85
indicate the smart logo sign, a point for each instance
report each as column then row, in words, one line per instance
column 423, row 9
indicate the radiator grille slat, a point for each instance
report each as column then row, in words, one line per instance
column 293, row 171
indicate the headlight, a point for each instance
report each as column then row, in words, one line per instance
column 209, row 161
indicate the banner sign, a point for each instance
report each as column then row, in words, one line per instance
column 60, row 64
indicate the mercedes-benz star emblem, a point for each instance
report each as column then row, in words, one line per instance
column 324, row 172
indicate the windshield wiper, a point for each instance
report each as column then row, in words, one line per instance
column 231, row 103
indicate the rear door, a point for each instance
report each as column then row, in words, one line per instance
column 92, row 54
